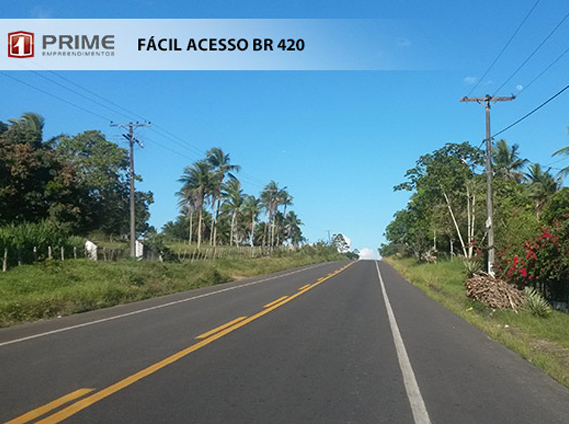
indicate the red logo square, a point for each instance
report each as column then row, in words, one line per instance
column 21, row 44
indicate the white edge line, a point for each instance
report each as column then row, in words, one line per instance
column 165, row 305
column 418, row 408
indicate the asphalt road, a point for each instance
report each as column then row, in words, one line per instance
column 350, row 343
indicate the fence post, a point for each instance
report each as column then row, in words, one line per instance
column 5, row 260
column 35, row 250
column 62, row 249
column 49, row 252
column 74, row 252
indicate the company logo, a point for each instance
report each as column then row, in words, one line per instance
column 21, row 44
column 77, row 45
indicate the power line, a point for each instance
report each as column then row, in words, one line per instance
column 79, row 94
column 55, row 96
column 157, row 129
column 546, row 69
column 533, row 53
column 97, row 95
column 527, row 115
column 504, row 48
column 131, row 113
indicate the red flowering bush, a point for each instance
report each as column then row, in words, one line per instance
column 542, row 262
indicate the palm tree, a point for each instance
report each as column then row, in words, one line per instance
column 233, row 198
column 32, row 122
column 187, row 204
column 284, row 199
column 292, row 226
column 269, row 199
column 221, row 167
column 542, row 185
column 565, row 152
column 252, row 207
column 507, row 162
column 196, row 181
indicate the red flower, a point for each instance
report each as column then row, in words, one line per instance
column 524, row 272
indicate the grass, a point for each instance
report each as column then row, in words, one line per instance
column 54, row 288
column 542, row 341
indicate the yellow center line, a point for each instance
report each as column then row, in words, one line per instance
column 221, row 327
column 38, row 412
column 280, row 299
column 96, row 397
column 304, row 287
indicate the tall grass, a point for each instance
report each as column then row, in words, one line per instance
column 53, row 288
column 30, row 242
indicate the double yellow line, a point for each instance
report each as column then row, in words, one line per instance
column 206, row 338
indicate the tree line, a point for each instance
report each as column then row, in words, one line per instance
column 79, row 185
column 446, row 214
column 215, row 210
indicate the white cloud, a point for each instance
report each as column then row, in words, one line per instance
column 470, row 80
column 369, row 254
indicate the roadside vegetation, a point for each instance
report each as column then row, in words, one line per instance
column 56, row 194
column 544, row 341
column 439, row 240
column 55, row 288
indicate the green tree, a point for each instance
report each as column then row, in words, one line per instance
column 251, row 208
column 100, row 172
column 448, row 176
column 507, row 162
column 542, row 185
column 293, row 233
column 232, row 196
column 270, row 197
column 27, row 166
column 196, row 182
column 221, row 167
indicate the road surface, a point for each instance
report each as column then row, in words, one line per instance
column 342, row 342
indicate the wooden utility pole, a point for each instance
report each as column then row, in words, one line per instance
column 131, row 140
column 486, row 101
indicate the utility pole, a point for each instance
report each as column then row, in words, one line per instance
column 131, row 140
column 486, row 101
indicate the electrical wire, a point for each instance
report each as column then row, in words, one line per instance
column 532, row 54
column 157, row 129
column 78, row 93
column 55, row 96
column 546, row 69
column 504, row 48
column 527, row 115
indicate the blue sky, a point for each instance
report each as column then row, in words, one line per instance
column 338, row 140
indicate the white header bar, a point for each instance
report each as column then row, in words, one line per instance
column 199, row 44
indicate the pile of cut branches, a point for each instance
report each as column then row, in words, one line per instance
column 494, row 292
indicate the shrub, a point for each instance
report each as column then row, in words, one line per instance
column 541, row 262
column 536, row 303
column 472, row 267
column 29, row 242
